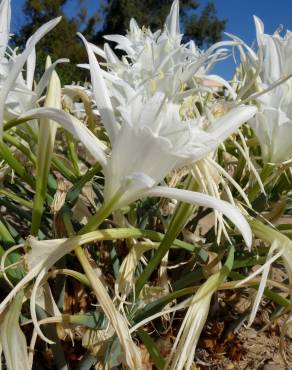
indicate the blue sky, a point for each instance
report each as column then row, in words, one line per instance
column 237, row 12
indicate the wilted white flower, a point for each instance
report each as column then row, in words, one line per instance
column 12, row 340
column 41, row 256
column 184, row 348
column 281, row 247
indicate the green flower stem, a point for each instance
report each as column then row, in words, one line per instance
column 266, row 177
column 15, row 165
column 38, row 208
column 42, row 173
column 180, row 217
column 16, row 198
column 61, row 167
column 15, row 122
column 72, row 153
column 75, row 274
column 266, row 232
column 100, row 215
column 246, row 262
column 5, row 235
column 126, row 233
column 57, row 164
column 22, row 148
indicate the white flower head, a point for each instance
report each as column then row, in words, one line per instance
column 17, row 94
column 159, row 61
column 273, row 122
column 153, row 139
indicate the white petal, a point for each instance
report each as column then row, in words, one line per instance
column 75, row 127
column 12, row 338
column 110, row 55
column 137, row 150
column 259, row 28
column 123, row 43
column 5, row 18
column 259, row 270
column 19, row 62
column 45, row 79
column 101, row 94
column 98, row 51
column 227, row 124
column 172, row 21
column 30, row 69
column 206, row 201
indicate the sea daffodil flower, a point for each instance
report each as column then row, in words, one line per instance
column 17, row 94
column 149, row 139
column 12, row 340
column 273, row 121
column 160, row 61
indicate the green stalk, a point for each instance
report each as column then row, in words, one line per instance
column 61, row 167
column 180, row 217
column 100, row 215
column 5, row 235
column 15, row 165
column 46, row 140
column 72, row 153
column 266, row 232
column 15, row 122
column 22, row 148
column 16, row 198
column 240, row 167
column 57, row 163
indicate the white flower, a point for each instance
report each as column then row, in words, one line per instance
column 184, row 348
column 17, row 94
column 152, row 138
column 12, row 340
column 273, row 122
column 160, row 61
column 149, row 139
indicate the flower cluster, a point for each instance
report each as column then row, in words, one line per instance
column 153, row 123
